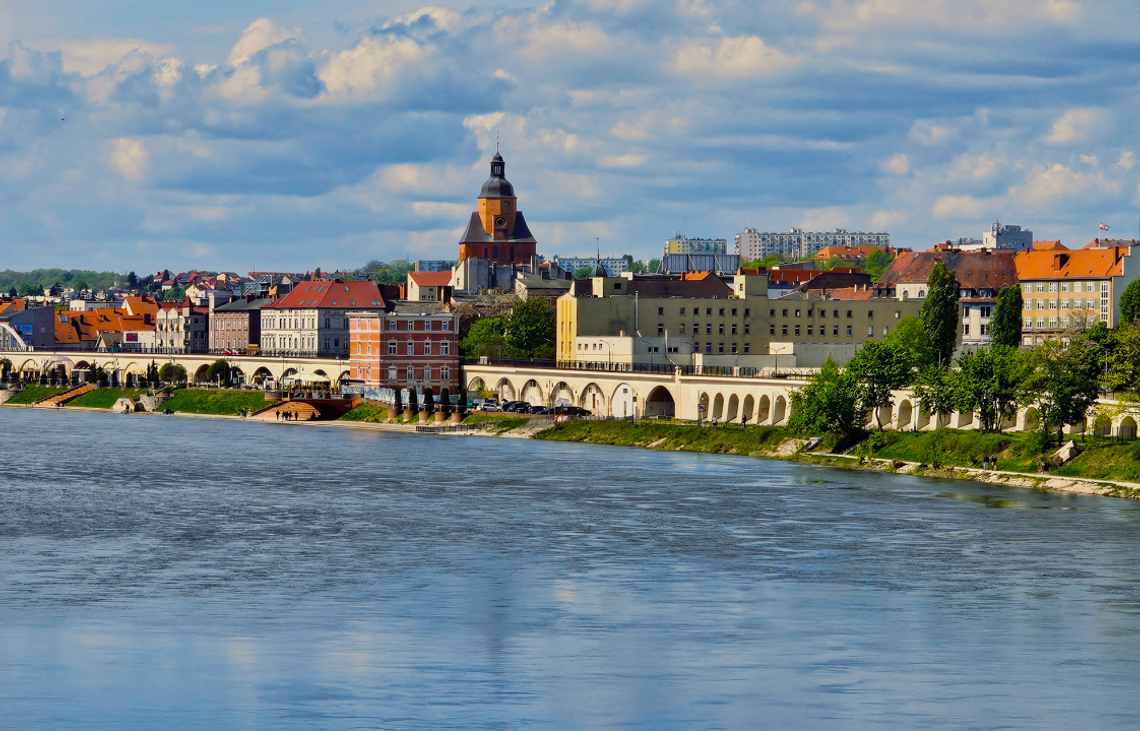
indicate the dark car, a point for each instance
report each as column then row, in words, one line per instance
column 539, row 410
column 518, row 407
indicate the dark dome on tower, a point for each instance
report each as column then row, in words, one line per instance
column 497, row 186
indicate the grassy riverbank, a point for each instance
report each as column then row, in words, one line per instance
column 104, row 398
column 218, row 403
column 946, row 448
column 32, row 394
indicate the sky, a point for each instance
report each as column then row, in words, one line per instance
column 290, row 134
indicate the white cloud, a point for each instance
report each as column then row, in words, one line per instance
column 623, row 161
column 731, row 58
column 89, row 56
column 1078, row 125
column 564, row 41
column 1048, row 184
column 373, row 67
column 1124, row 163
column 823, row 219
column 928, row 132
column 886, row 220
column 897, row 165
column 259, row 35
column 976, row 168
column 129, row 158
column 959, row 206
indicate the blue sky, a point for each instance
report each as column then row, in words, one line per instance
column 293, row 134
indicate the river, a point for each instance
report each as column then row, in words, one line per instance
column 177, row 573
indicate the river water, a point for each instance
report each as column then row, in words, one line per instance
column 175, row 573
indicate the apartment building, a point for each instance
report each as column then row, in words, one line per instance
column 415, row 346
column 313, row 318
column 799, row 244
column 682, row 244
column 1073, row 289
column 614, row 265
column 980, row 275
column 724, row 320
column 236, row 325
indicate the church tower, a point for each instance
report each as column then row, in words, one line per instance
column 497, row 231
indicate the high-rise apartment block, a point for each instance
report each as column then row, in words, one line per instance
column 797, row 243
column 682, row 244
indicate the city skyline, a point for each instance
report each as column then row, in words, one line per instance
column 296, row 135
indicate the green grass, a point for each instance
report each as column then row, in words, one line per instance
column 223, row 403
column 955, row 448
column 1109, row 461
column 757, row 441
column 32, row 394
column 367, row 412
column 105, row 398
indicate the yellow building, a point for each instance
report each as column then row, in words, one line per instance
column 703, row 319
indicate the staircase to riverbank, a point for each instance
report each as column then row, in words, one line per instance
column 60, row 399
column 302, row 410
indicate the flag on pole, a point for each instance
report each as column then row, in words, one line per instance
column 1104, row 227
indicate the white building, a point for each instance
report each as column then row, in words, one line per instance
column 313, row 317
column 614, row 266
column 681, row 244
column 797, row 243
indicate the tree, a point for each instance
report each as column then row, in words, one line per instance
column 825, row 406
column 171, row 373
column 445, row 399
column 132, row 280
column 1120, row 357
column 910, row 336
column 531, row 329
column 583, row 272
column 1063, row 382
column 1005, row 325
column 485, row 338
column 1130, row 302
column 152, row 373
column 878, row 369
column 13, row 292
column 462, row 400
column 413, row 401
column 936, row 389
column 5, row 368
column 175, row 294
column 218, row 372
column 398, row 400
column 27, row 289
column 317, row 273
column 877, row 263
column 81, row 285
column 653, row 266
column 939, row 314
column 429, row 400
column 991, row 383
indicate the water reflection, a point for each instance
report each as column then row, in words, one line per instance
column 202, row 574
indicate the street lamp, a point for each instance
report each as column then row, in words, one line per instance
column 776, row 353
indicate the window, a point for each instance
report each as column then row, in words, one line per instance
column 682, row 328
column 1027, row 322
column 708, row 312
column 1064, row 286
column 427, row 348
column 696, row 312
column 848, row 314
column 966, row 329
column 721, row 312
column 734, row 328
column 445, row 373
column 411, row 350
column 798, row 313
column 720, row 329
column 326, row 343
column 660, row 328
column 660, row 310
column 823, row 314
column 870, row 331
column 747, row 328
column 835, row 330
column 785, row 330
column 1040, row 322
column 1052, row 286
column 835, row 314
column 708, row 348
column 747, row 347
column 734, row 347
column 848, row 331
column 446, row 325
column 784, row 313
column 771, row 329
column 734, row 312
column 797, row 330
column 771, row 313
column 682, row 312
column 445, row 348
column 747, row 311
column 720, row 348
column 984, row 327
column 870, row 314
column 708, row 328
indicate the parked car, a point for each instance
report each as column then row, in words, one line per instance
column 539, row 410
column 488, row 406
column 571, row 410
column 518, row 407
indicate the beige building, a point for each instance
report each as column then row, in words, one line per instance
column 313, row 318
column 702, row 319
column 1065, row 289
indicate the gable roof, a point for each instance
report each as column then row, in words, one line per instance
column 359, row 295
column 974, row 269
column 430, row 279
column 1081, row 264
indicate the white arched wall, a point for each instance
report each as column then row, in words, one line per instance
column 623, row 401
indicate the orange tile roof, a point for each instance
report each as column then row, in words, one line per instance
column 847, row 251
column 431, row 279
column 359, row 295
column 1049, row 246
column 1080, row 264
column 849, row 293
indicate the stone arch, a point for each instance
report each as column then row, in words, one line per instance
column 906, row 412
column 562, row 394
column 505, row 390
column 594, row 399
column 763, row 409
column 746, row 415
column 718, row 406
column 703, row 406
column 923, row 419
column 733, row 408
column 1128, row 428
column 262, row 374
column 883, row 415
column 660, row 403
column 965, row 419
column 344, row 376
column 1031, row 420
column 532, row 393
column 476, row 386
column 29, row 366
column 780, row 411
column 200, row 373
column 623, row 401
column 1010, row 423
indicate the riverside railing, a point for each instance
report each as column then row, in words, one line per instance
column 609, row 367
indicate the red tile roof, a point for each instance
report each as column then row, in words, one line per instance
column 431, row 279
column 360, row 295
column 974, row 269
column 1082, row 264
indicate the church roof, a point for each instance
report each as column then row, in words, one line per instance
column 476, row 235
column 497, row 187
